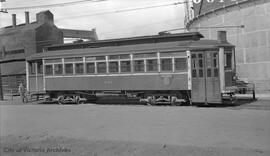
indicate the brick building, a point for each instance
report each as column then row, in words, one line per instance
column 20, row 41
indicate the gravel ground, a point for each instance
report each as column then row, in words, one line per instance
column 36, row 129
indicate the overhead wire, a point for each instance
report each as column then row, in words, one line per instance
column 53, row 5
column 122, row 10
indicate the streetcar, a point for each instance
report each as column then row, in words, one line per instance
column 159, row 69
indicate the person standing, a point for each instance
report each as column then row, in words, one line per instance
column 22, row 92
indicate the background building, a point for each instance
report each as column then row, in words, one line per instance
column 252, row 41
column 19, row 41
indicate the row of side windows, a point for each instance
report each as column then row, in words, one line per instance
column 117, row 66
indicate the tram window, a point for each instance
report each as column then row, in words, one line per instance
column 228, row 60
column 138, row 65
column 194, row 73
column 166, row 64
column 200, row 73
column 215, row 63
column 200, row 56
column 146, row 55
column 100, row 58
column 90, row 68
column 113, row 57
column 180, row 64
column 200, row 63
column 193, row 56
column 151, row 65
column 215, row 72
column 125, row 66
column 113, row 67
column 48, row 69
column 69, row 68
column 151, row 55
column 32, row 68
column 90, row 58
column 127, row 56
column 53, row 60
column 209, row 72
column 101, row 67
column 138, row 55
column 58, row 69
column 39, row 67
column 73, row 59
column 79, row 68
column 171, row 54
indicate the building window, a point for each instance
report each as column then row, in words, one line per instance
column 125, row 66
column 113, row 67
column 48, row 70
column 69, row 68
column 58, row 69
column 101, row 67
column 138, row 65
column 79, row 68
column 151, row 65
column 166, row 64
column 181, row 64
column 90, row 68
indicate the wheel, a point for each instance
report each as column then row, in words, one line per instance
column 61, row 100
column 151, row 100
column 173, row 100
column 77, row 100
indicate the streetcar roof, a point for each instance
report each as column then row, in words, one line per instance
column 136, row 48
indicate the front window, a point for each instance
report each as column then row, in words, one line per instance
column 39, row 67
column 32, row 68
column 228, row 61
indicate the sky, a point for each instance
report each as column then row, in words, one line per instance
column 84, row 16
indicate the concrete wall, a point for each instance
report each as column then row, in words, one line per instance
column 252, row 42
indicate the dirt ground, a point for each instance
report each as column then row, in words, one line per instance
column 110, row 130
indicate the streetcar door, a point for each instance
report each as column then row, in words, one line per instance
column 212, row 77
column 205, row 77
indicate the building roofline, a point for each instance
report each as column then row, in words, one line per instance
column 223, row 8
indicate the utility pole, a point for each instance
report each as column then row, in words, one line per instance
column 1, row 85
column 3, row 52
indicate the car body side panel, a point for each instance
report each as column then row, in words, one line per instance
column 121, row 82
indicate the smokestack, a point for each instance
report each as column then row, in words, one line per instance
column 26, row 17
column 222, row 36
column 14, row 20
